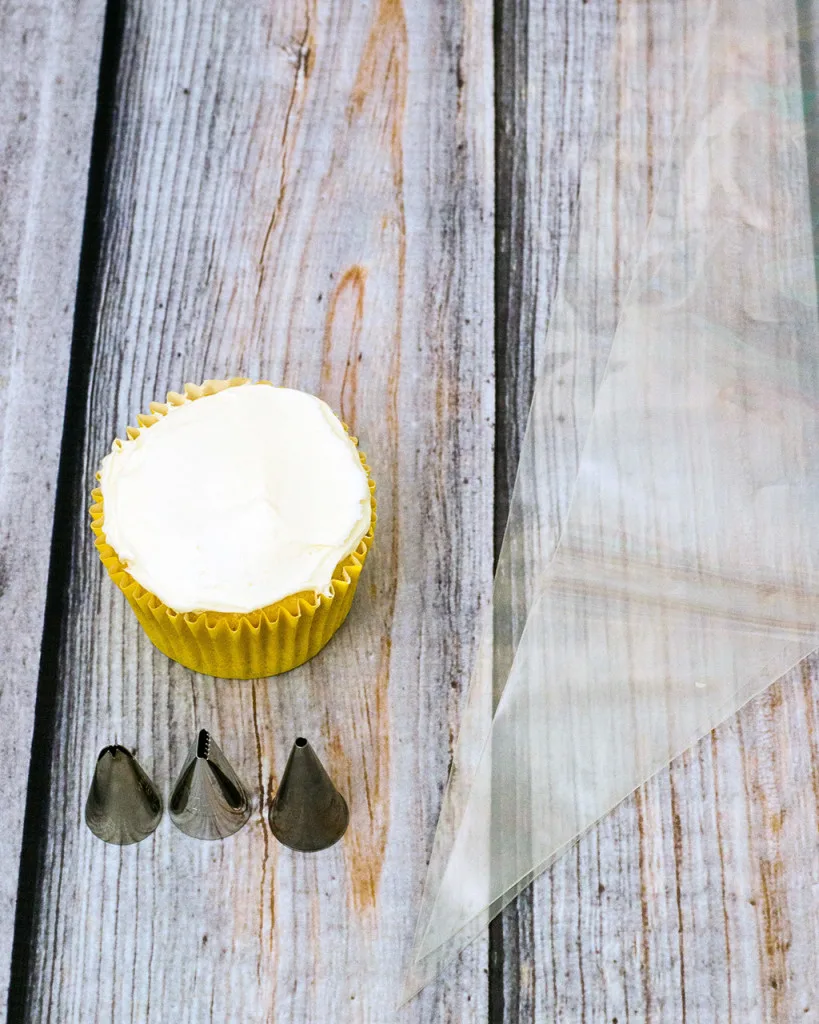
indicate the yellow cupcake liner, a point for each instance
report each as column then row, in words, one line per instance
column 262, row 643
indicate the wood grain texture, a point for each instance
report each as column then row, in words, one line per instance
column 552, row 62
column 49, row 53
column 696, row 900
column 301, row 193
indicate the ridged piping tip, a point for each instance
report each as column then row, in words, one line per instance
column 308, row 813
column 123, row 805
column 208, row 800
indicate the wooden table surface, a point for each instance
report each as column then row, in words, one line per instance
column 370, row 200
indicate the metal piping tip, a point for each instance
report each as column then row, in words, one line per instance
column 208, row 800
column 308, row 813
column 123, row 805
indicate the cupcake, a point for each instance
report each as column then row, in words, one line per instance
column 236, row 520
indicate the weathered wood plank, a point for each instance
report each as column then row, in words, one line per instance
column 696, row 900
column 555, row 63
column 301, row 192
column 49, row 53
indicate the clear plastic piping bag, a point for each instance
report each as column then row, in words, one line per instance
column 661, row 560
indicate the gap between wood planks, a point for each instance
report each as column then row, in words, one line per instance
column 514, row 358
column 69, row 485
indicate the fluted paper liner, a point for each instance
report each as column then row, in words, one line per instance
column 660, row 564
column 253, row 645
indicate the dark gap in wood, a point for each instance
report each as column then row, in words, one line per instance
column 514, row 355
column 66, row 514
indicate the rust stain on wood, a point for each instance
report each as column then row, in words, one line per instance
column 376, row 106
column 677, row 833
column 365, row 769
column 383, row 62
column 726, row 932
column 773, row 887
column 366, row 839
column 775, row 931
column 771, row 909
column 645, row 888
column 806, row 675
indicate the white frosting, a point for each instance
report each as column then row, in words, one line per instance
column 236, row 500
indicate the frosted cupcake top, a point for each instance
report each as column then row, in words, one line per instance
column 236, row 500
